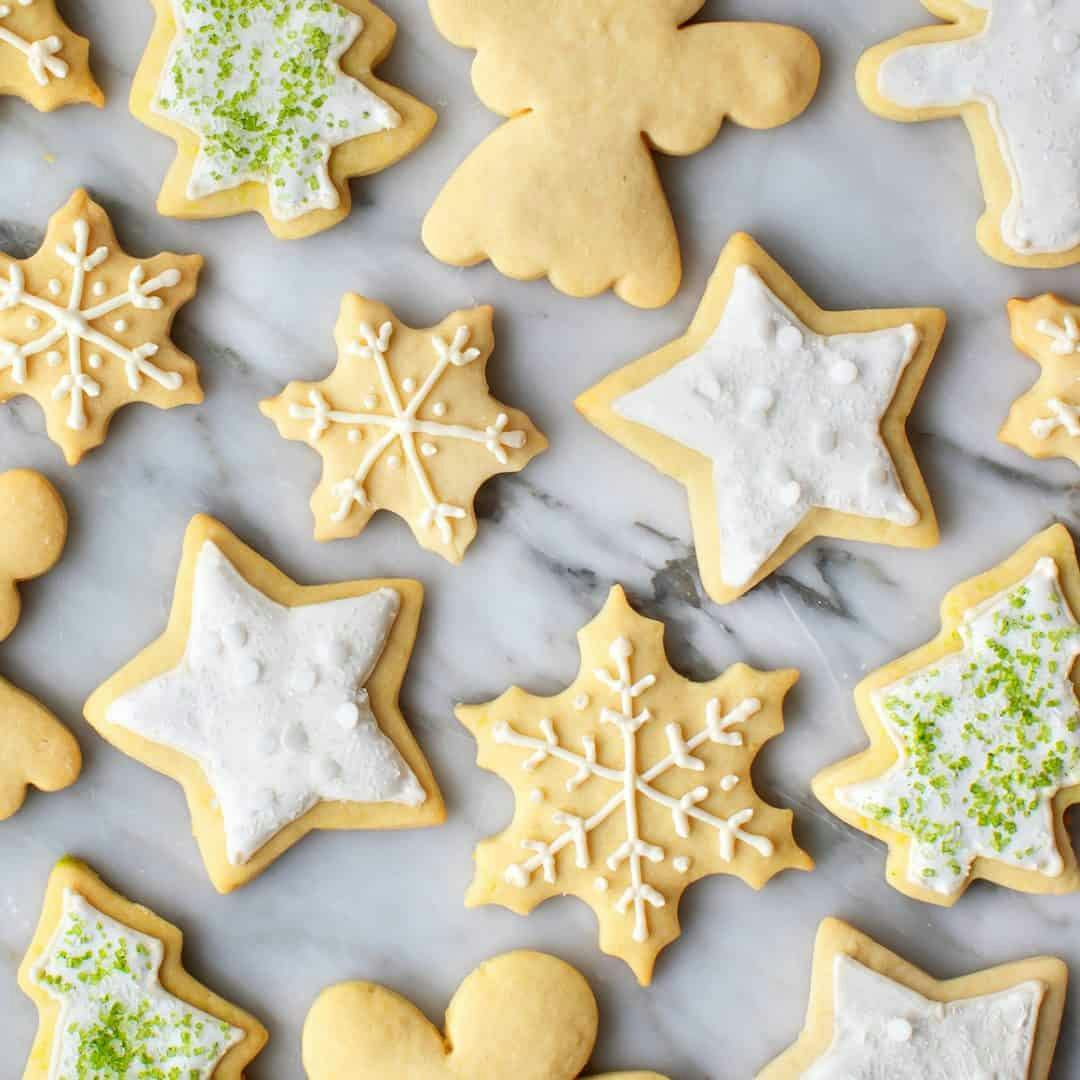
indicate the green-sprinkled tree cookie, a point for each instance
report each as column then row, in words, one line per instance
column 975, row 738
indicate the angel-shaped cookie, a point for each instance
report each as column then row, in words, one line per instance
column 567, row 187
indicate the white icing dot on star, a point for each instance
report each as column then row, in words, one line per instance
column 843, row 372
column 294, row 738
column 234, row 636
column 348, row 715
column 248, row 671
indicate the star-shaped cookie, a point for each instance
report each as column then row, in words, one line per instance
column 274, row 705
column 873, row 1015
column 975, row 738
column 1045, row 422
column 405, row 423
column 785, row 422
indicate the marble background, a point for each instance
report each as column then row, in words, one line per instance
column 863, row 212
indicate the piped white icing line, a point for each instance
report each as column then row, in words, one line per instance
column 883, row 1029
column 116, row 1020
column 790, row 419
column 42, row 56
column 1065, row 339
column 1023, row 66
column 1062, row 415
column 271, row 752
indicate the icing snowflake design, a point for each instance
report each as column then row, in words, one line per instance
column 42, row 56
column 1064, row 341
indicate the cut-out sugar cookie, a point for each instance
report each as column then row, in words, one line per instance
column 783, row 421
column 1045, row 422
column 567, row 187
column 35, row 748
column 41, row 59
column 1009, row 69
column 547, row 1026
column 974, row 751
column 274, row 705
column 630, row 785
column 273, row 107
column 873, row 1015
column 113, row 998
column 405, row 423
column 84, row 328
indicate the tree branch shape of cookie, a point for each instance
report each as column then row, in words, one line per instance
column 872, row 1014
column 41, row 59
column 546, row 1030
column 273, row 107
column 567, row 187
column 974, row 751
column 405, row 423
column 1045, row 422
column 1009, row 69
column 35, row 748
column 631, row 785
column 84, row 328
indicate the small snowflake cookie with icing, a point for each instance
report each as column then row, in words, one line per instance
column 115, row 1002
column 1045, row 422
column 974, row 751
column 631, row 785
column 405, row 423
column 41, row 59
column 873, row 1015
column 84, row 328
column 273, row 107
column 547, row 1025
column 783, row 421
column 1009, row 68
column 275, row 705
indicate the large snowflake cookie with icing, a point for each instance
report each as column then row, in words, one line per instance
column 975, row 738
column 405, row 423
column 872, row 1016
column 567, row 187
column 546, row 1029
column 785, row 422
column 115, row 1002
column 631, row 785
column 273, row 107
column 84, row 328
column 1009, row 68
column 274, row 705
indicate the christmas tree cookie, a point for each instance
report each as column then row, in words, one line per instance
column 547, row 1024
column 273, row 107
column 115, row 1002
column 873, row 1015
column 783, row 421
column 1009, row 69
column 405, row 423
column 274, row 705
column 567, row 188
column 630, row 785
column 975, row 738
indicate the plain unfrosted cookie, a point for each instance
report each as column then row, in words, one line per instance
column 274, row 705
column 567, row 187
column 524, row 1015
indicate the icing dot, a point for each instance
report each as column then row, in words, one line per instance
column 601, row 884
column 709, row 387
column 681, row 863
column 326, row 769
column 729, row 782
column 760, row 400
column 429, row 449
column 94, row 360
column 120, row 325
column 304, row 679
column 248, row 671
column 33, row 322
column 55, row 286
column 439, row 408
column 99, row 288
column 393, row 462
column 790, row 493
column 354, row 435
column 53, row 359
column 267, row 743
column 581, row 702
column 899, row 1029
column 536, row 795
column 337, row 653
column 408, row 385
column 789, row 338
column 1066, row 42
column 234, row 635
column 844, row 372
column 348, row 715
column 294, row 738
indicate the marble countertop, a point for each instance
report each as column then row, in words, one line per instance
column 863, row 212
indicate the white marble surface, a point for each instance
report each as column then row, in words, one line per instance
column 863, row 212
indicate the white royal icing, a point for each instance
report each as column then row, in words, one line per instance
column 42, row 56
column 886, row 1031
column 1023, row 66
column 270, row 701
column 790, row 419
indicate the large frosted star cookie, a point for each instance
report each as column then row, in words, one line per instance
column 273, row 107
column 785, row 422
column 975, row 738
column 115, row 1002
column 274, row 705
column 873, row 1015
column 630, row 785
column 405, row 423
column 547, row 1024
column 567, row 188
column 1009, row 68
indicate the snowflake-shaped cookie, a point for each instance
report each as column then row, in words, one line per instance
column 84, row 328
column 630, row 785
column 405, row 423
